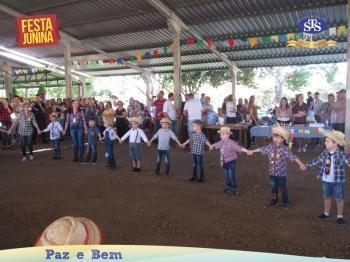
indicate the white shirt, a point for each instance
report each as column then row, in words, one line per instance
column 329, row 178
column 55, row 130
column 229, row 109
column 169, row 108
column 135, row 136
column 194, row 109
column 112, row 134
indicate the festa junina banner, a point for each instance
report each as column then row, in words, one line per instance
column 110, row 253
column 39, row 30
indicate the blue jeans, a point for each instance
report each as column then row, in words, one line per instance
column 230, row 174
column 279, row 183
column 189, row 127
column 160, row 155
column 333, row 190
column 198, row 166
column 26, row 141
column 91, row 152
column 77, row 134
column 56, row 143
column 109, row 149
column 135, row 151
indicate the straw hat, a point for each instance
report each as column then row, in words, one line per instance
column 108, row 121
column 165, row 120
column 280, row 131
column 135, row 120
column 225, row 130
column 336, row 136
column 70, row 231
column 54, row 114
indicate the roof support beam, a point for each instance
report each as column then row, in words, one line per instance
column 68, row 37
column 169, row 14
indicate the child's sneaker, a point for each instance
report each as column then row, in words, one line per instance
column 234, row 193
column 167, row 171
column 157, row 172
column 227, row 191
column 285, row 205
column 31, row 157
column 193, row 179
column 340, row 221
column 138, row 170
column 134, row 169
column 273, row 202
column 24, row 159
column 93, row 162
column 200, row 180
column 323, row 216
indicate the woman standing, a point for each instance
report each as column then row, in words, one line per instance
column 284, row 112
column 108, row 113
column 253, row 113
column 5, row 122
column 231, row 111
column 207, row 108
column 100, row 124
column 327, row 109
column 91, row 110
column 299, row 113
column 25, row 122
column 77, row 125
column 121, row 119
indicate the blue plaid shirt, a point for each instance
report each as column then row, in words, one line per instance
column 197, row 142
column 339, row 168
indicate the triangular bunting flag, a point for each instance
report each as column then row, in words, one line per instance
column 274, row 38
column 290, row 36
column 265, row 40
column 332, row 31
column 282, row 38
column 138, row 58
column 342, row 30
column 253, row 41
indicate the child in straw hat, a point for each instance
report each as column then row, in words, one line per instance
column 110, row 136
column 228, row 155
column 279, row 155
column 331, row 164
column 70, row 231
column 197, row 142
column 55, row 130
column 135, row 135
column 164, row 136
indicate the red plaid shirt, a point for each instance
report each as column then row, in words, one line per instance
column 5, row 117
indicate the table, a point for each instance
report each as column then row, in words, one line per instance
column 297, row 131
column 241, row 128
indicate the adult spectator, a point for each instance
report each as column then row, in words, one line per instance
column 207, row 107
column 169, row 111
column 38, row 110
column 91, row 110
column 121, row 119
column 284, row 112
column 108, row 114
column 309, row 98
column 192, row 111
column 158, row 103
column 318, row 103
column 253, row 110
column 231, row 110
column 202, row 99
column 326, row 110
column 338, row 113
column 5, row 123
column 241, row 110
column 133, row 109
column 25, row 122
column 299, row 114
column 100, row 110
column 77, row 125
column 60, row 109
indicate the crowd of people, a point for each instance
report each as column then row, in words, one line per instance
column 89, row 120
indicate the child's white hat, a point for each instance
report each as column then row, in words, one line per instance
column 135, row 120
column 280, row 131
column 70, row 231
column 165, row 120
column 225, row 130
column 336, row 136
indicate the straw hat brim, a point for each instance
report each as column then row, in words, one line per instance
column 224, row 132
column 280, row 132
column 94, row 233
column 337, row 137
column 135, row 120
column 165, row 121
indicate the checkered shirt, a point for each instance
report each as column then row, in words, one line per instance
column 198, row 141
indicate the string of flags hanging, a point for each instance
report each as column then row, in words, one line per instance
column 296, row 39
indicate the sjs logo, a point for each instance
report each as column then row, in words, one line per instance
column 312, row 25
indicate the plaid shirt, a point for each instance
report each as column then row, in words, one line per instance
column 228, row 150
column 339, row 160
column 25, row 124
column 198, row 141
column 5, row 118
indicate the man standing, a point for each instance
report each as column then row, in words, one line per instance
column 158, row 103
column 169, row 111
column 39, row 115
column 318, row 107
column 310, row 99
column 338, row 113
column 241, row 109
column 192, row 111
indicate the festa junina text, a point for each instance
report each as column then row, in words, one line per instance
column 37, row 31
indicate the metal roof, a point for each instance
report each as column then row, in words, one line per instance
column 129, row 27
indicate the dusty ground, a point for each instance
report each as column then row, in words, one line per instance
column 148, row 210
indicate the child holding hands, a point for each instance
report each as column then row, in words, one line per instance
column 55, row 130
column 197, row 142
column 279, row 155
column 164, row 136
column 110, row 136
column 331, row 164
column 228, row 155
column 135, row 135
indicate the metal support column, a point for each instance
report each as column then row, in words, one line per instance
column 67, row 68
column 347, row 111
column 8, row 80
column 233, row 74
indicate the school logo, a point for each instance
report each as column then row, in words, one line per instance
column 313, row 32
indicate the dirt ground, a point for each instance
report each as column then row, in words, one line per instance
column 145, row 209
